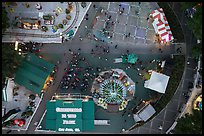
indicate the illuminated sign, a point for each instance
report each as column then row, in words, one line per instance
column 69, row 122
column 69, row 129
column 71, row 115
column 68, row 109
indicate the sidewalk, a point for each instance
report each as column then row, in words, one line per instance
column 22, row 102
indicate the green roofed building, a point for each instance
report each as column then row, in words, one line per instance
column 70, row 115
column 33, row 72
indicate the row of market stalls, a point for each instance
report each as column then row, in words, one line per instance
column 161, row 26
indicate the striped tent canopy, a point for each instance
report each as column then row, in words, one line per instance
column 161, row 25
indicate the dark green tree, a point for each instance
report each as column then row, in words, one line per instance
column 190, row 124
column 5, row 20
column 10, row 60
column 194, row 23
column 196, row 51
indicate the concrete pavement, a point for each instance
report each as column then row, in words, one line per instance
column 165, row 118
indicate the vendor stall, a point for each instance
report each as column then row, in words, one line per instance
column 49, row 19
column 132, row 58
column 161, row 26
column 30, row 23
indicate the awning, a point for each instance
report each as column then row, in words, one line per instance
column 161, row 25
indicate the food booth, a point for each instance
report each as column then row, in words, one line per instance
column 161, row 27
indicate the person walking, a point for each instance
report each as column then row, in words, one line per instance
column 129, row 34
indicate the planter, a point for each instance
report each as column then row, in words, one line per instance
column 67, row 11
column 27, row 5
column 44, row 28
column 47, row 17
column 68, row 17
column 71, row 7
column 32, row 97
column 32, row 104
column 64, row 22
column 54, row 28
column 60, row 26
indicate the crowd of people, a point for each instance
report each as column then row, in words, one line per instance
column 79, row 73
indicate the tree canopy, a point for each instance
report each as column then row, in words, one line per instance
column 196, row 22
column 190, row 123
column 5, row 20
column 10, row 60
column 196, row 51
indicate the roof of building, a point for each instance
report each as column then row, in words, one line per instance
column 33, row 72
column 75, row 115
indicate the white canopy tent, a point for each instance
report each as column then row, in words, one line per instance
column 157, row 82
column 144, row 114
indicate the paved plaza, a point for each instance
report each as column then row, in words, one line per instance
column 133, row 21
column 95, row 61
column 128, row 29
column 52, row 8
column 140, row 41
column 21, row 100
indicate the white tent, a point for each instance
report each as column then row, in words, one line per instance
column 157, row 82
